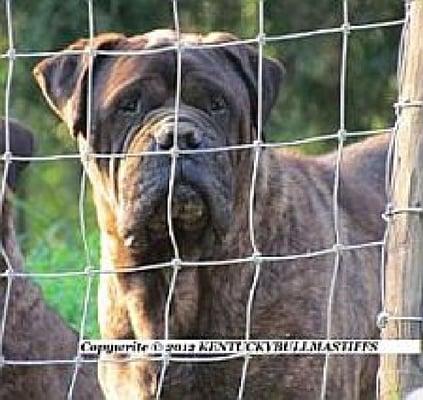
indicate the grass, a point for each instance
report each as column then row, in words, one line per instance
column 66, row 295
column 57, row 247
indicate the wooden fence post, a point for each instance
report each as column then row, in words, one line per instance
column 400, row 374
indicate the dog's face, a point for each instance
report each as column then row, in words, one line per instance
column 133, row 111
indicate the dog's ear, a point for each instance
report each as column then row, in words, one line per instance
column 63, row 79
column 22, row 144
column 245, row 59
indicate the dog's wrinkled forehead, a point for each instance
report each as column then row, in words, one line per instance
column 159, row 69
column 64, row 78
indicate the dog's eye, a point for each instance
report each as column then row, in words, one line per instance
column 218, row 105
column 130, row 106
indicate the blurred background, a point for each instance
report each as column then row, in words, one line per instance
column 49, row 225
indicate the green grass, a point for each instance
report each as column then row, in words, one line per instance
column 57, row 247
column 66, row 294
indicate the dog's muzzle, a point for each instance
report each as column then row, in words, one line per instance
column 200, row 188
column 189, row 210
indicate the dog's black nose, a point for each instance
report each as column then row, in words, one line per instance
column 188, row 138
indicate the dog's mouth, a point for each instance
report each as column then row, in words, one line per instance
column 189, row 212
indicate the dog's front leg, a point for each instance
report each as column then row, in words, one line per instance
column 118, row 311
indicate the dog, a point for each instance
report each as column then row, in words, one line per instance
column 33, row 331
column 133, row 111
column 21, row 143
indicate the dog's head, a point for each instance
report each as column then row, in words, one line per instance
column 133, row 111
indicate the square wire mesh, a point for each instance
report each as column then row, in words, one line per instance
column 257, row 258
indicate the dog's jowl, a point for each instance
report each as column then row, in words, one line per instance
column 133, row 112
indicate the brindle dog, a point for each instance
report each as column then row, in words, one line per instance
column 133, row 112
column 33, row 331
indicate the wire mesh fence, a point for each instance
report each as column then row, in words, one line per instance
column 176, row 263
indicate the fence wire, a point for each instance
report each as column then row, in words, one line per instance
column 256, row 259
column 6, row 166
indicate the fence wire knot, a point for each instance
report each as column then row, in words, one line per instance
column 338, row 247
column 257, row 144
column 85, row 157
column 89, row 270
column 7, row 157
column 11, row 53
column 176, row 263
column 342, row 135
column 78, row 360
column 388, row 213
column 261, row 39
column 174, row 152
column 256, row 257
column 382, row 319
column 181, row 45
column 346, row 28
column 91, row 51
column 166, row 358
